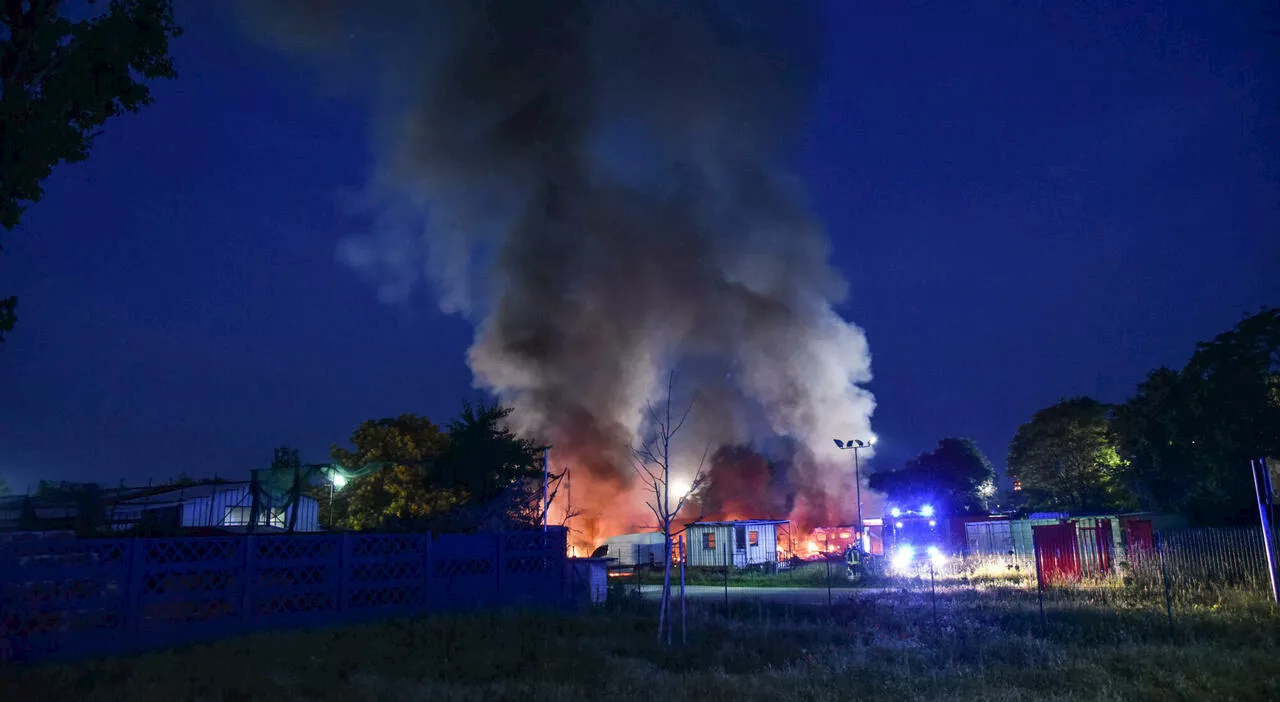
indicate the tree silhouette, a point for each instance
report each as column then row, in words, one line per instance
column 60, row 81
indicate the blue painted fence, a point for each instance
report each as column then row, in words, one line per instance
column 80, row 598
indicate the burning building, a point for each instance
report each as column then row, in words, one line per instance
column 603, row 189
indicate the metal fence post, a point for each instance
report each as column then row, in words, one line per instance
column 727, row 556
column 684, row 629
column 933, row 594
column 1164, row 575
column 827, row 558
column 1035, row 553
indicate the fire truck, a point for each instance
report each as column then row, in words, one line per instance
column 915, row 539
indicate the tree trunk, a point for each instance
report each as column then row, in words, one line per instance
column 666, row 585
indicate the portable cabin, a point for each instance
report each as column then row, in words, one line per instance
column 741, row 543
column 642, row 548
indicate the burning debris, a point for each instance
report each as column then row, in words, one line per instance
column 601, row 188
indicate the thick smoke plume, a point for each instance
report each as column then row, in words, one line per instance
column 600, row 186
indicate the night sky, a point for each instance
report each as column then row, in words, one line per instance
column 1029, row 203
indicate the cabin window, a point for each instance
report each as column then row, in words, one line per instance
column 741, row 536
column 753, row 538
column 239, row 516
column 709, row 541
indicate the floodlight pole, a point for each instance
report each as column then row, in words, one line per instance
column 856, row 444
column 857, row 477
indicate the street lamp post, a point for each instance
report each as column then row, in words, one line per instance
column 856, row 444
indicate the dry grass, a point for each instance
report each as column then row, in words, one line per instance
column 987, row 643
column 812, row 574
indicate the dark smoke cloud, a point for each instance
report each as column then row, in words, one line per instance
column 600, row 186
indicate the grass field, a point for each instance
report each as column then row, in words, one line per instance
column 804, row 575
column 986, row 643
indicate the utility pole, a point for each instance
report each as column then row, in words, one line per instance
column 546, row 486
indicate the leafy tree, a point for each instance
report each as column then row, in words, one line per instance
column 60, row 81
column 497, row 474
column 476, row 476
column 402, row 491
column 4, row 488
column 1188, row 435
column 1152, row 430
column 955, row 478
column 1066, row 459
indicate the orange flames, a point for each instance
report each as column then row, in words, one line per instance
column 742, row 486
column 816, row 543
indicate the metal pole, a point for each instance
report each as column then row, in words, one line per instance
column 213, row 494
column 684, row 629
column 254, row 506
column 546, row 486
column 726, row 570
column 1035, row 553
column 827, row 557
column 933, row 594
column 857, row 476
column 297, row 497
column 1260, row 479
column 1164, row 574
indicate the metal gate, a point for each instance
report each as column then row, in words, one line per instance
column 1057, row 552
column 1097, row 548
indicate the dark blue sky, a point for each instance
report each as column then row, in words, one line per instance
column 1030, row 203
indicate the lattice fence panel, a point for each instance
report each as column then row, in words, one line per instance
column 384, row 573
column 85, row 597
column 62, row 594
column 295, row 577
column 532, row 566
column 464, row 571
column 191, row 585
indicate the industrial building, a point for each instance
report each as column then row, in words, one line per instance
column 224, row 506
column 741, row 544
column 218, row 505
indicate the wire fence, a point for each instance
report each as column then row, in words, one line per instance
column 1177, row 572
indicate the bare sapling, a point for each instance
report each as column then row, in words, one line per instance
column 653, row 463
